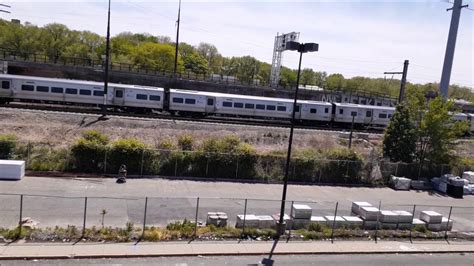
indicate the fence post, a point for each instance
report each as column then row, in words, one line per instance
column 68, row 155
column 196, row 218
column 85, row 217
column 320, row 172
column 237, row 169
column 21, row 216
column 105, row 162
column 207, row 166
column 289, row 231
column 28, row 153
column 447, row 225
column 377, row 224
column 143, row 158
column 442, row 170
column 176, row 167
column 144, row 217
column 396, row 169
column 245, row 214
column 412, row 217
column 334, row 223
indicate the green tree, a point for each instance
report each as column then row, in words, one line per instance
column 19, row 39
column 55, row 38
column 195, row 63
column 399, row 143
column 335, row 82
column 248, row 69
column 307, row 77
column 155, row 55
column 287, row 77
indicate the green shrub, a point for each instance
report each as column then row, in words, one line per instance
column 88, row 153
column 7, row 146
column 47, row 159
column 130, row 152
column 343, row 166
column 186, row 142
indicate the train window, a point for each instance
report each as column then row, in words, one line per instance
column 85, row 92
column 57, row 90
column 178, row 100
column 312, row 110
column 227, row 104
column 249, row 106
column 119, row 94
column 297, row 109
column 99, row 93
column 210, row 101
column 142, row 97
column 379, row 104
column 363, row 102
column 27, row 87
column 368, row 113
column 42, row 88
column 5, row 84
column 382, row 115
column 281, row 108
column 190, row 101
column 271, row 107
column 341, row 111
column 238, row 105
column 71, row 91
column 260, row 107
column 353, row 113
column 326, row 110
column 155, row 98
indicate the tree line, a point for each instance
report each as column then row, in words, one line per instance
column 142, row 50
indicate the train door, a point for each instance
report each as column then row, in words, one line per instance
column 210, row 105
column 119, row 94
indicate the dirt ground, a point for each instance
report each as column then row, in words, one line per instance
column 62, row 129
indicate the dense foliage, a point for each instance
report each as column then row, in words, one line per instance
column 142, row 50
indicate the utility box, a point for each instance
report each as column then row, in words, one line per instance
column 12, row 170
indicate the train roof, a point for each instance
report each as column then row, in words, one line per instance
column 375, row 107
column 247, row 97
column 80, row 82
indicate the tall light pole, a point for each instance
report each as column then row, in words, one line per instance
column 301, row 48
column 177, row 41
column 106, row 70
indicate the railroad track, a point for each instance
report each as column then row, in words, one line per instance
column 209, row 120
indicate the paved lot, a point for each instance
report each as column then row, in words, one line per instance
column 172, row 200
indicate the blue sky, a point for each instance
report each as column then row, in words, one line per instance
column 356, row 38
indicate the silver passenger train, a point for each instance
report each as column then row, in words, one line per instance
column 187, row 102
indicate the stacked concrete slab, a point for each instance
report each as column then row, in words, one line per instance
column 356, row 205
column 301, row 216
column 435, row 221
column 265, row 221
column 353, row 221
column 388, row 220
column 286, row 219
column 12, row 170
column 405, row 220
column 217, row 219
column 338, row 221
column 370, row 216
column 250, row 221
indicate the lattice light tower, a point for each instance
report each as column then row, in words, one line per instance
column 280, row 44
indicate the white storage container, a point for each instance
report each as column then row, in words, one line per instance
column 300, row 211
column 404, row 216
column 369, row 213
column 388, row 217
column 356, row 205
column 431, row 217
column 12, row 170
column 401, row 183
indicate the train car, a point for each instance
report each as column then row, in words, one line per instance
column 363, row 114
column 314, row 111
column 191, row 102
column 79, row 92
column 253, row 106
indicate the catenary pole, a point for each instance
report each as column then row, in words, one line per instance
column 450, row 47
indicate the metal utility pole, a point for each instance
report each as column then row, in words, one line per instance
column 107, row 55
column 403, row 82
column 177, row 41
column 450, row 46
column 5, row 11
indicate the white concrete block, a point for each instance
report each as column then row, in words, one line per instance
column 301, row 211
column 12, row 170
column 369, row 213
column 404, row 216
column 356, row 205
column 431, row 217
column 388, row 217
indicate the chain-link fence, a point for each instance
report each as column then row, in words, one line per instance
column 333, row 219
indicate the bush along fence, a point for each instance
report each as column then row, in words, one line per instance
column 226, row 158
column 121, row 219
